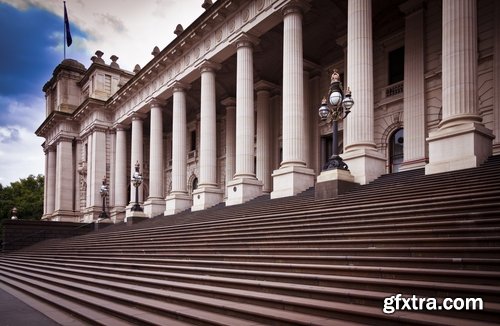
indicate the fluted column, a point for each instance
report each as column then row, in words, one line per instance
column 293, row 176
column 360, row 67
column 230, row 104
column 245, row 118
column 244, row 186
column 121, row 182
column 264, row 149
column 414, row 93
column 51, row 181
column 496, row 71
column 360, row 151
column 293, row 89
column 208, row 193
column 155, row 204
column 97, row 172
column 137, row 153
column 178, row 200
column 461, row 127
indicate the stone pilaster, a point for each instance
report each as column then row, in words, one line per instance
column 64, row 181
column 293, row 176
column 230, row 104
column 414, row 93
column 360, row 154
column 155, row 204
column 178, row 200
column 51, row 182
column 264, row 139
column 461, row 127
column 208, row 193
column 121, row 182
column 245, row 185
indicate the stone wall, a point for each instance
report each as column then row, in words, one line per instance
column 18, row 234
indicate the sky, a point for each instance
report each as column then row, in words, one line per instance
column 31, row 46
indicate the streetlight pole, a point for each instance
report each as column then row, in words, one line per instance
column 335, row 109
column 136, row 182
column 104, row 193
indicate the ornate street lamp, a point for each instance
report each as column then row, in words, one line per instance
column 136, row 182
column 104, row 193
column 336, row 109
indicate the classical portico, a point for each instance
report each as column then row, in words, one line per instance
column 227, row 112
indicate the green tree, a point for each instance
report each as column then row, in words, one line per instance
column 26, row 195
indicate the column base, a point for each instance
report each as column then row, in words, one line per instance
column 365, row 164
column 291, row 180
column 118, row 214
column 242, row 190
column 413, row 165
column 332, row 183
column 457, row 147
column 206, row 197
column 133, row 217
column 154, row 207
column 177, row 203
column 65, row 216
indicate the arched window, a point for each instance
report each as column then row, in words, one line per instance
column 194, row 184
column 396, row 144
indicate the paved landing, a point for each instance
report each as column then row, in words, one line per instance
column 14, row 312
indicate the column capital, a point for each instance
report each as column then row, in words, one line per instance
column 209, row 66
column 120, row 127
column 263, row 85
column 181, row 86
column 295, row 6
column 245, row 40
column 229, row 102
column 137, row 116
column 155, row 102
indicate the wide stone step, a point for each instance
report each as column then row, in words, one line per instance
column 333, row 230
column 305, row 310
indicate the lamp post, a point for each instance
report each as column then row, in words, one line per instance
column 104, row 193
column 335, row 109
column 136, row 182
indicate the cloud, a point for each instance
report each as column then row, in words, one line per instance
column 20, row 149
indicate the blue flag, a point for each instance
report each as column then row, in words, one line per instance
column 69, row 39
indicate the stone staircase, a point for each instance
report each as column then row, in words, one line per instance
column 289, row 261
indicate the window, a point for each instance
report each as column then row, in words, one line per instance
column 107, row 83
column 193, row 140
column 396, row 65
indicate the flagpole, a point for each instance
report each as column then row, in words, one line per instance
column 64, row 28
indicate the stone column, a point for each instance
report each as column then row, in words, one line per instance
column 208, row 193
column 137, row 154
column 361, row 155
column 462, row 141
column 244, row 186
column 155, row 205
column 88, row 216
column 230, row 104
column 51, row 182
column 178, row 200
column 264, row 138
column 293, row 176
column 414, row 93
column 96, row 173
column 64, row 191
column 121, row 181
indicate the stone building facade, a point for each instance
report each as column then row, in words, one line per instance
column 228, row 111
